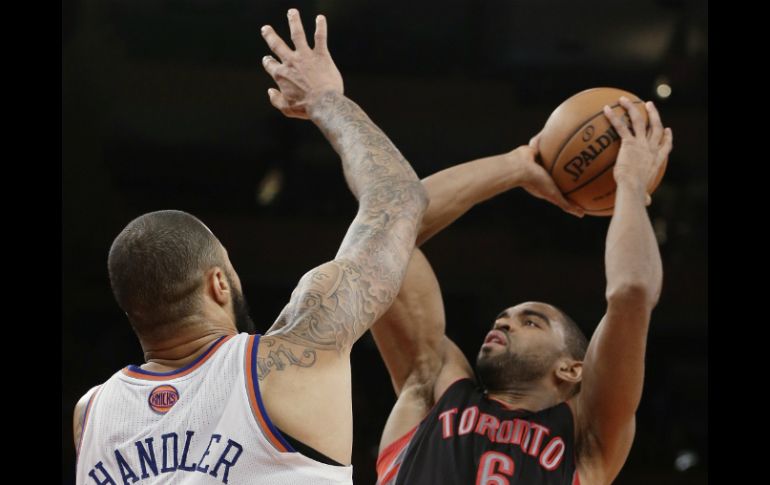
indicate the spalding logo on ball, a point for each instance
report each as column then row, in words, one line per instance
column 579, row 146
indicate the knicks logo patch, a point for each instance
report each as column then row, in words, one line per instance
column 162, row 398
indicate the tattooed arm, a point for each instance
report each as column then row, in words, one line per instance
column 335, row 303
column 303, row 364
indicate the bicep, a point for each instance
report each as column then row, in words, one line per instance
column 332, row 306
column 324, row 308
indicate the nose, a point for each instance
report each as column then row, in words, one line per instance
column 503, row 326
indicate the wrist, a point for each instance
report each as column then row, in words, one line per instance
column 631, row 186
column 523, row 169
column 317, row 100
column 514, row 166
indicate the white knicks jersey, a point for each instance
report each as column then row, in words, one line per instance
column 203, row 424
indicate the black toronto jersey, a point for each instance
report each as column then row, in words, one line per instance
column 470, row 439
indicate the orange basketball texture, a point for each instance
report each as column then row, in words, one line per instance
column 579, row 146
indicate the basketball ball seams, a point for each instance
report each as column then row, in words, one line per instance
column 581, row 126
column 596, row 176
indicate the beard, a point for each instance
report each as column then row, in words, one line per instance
column 243, row 321
column 500, row 371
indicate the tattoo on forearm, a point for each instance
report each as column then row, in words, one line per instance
column 367, row 153
column 281, row 358
column 337, row 302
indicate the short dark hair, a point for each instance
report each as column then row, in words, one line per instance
column 156, row 264
column 574, row 339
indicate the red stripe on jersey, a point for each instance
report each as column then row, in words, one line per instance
column 386, row 468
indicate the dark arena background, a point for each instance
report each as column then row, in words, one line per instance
column 164, row 106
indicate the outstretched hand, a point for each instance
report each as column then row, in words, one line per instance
column 302, row 74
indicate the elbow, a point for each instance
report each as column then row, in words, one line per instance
column 414, row 196
column 420, row 194
column 633, row 296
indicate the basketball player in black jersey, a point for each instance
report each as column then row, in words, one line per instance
column 548, row 407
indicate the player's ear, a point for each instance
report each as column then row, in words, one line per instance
column 217, row 286
column 569, row 370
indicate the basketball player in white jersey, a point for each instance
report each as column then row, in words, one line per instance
column 211, row 405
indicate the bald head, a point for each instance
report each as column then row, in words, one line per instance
column 156, row 267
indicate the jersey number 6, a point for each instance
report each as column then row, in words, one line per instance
column 491, row 462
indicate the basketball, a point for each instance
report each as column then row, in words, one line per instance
column 579, row 146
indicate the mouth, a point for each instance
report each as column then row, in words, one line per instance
column 496, row 337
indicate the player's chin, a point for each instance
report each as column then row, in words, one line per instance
column 491, row 348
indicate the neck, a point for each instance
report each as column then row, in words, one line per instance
column 529, row 398
column 194, row 336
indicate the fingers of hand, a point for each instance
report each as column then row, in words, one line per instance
column 570, row 208
column 552, row 193
column 617, row 123
column 275, row 43
column 667, row 144
column 271, row 65
column 577, row 211
column 668, row 140
column 637, row 120
column 277, row 99
column 296, row 29
column 656, row 127
column 320, row 34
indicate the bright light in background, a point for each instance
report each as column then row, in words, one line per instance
column 662, row 87
column 685, row 459
column 269, row 187
column 663, row 91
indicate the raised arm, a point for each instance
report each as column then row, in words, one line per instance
column 613, row 370
column 421, row 360
column 412, row 331
column 303, row 360
column 335, row 303
column 453, row 191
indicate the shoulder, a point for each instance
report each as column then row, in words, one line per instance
column 78, row 416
